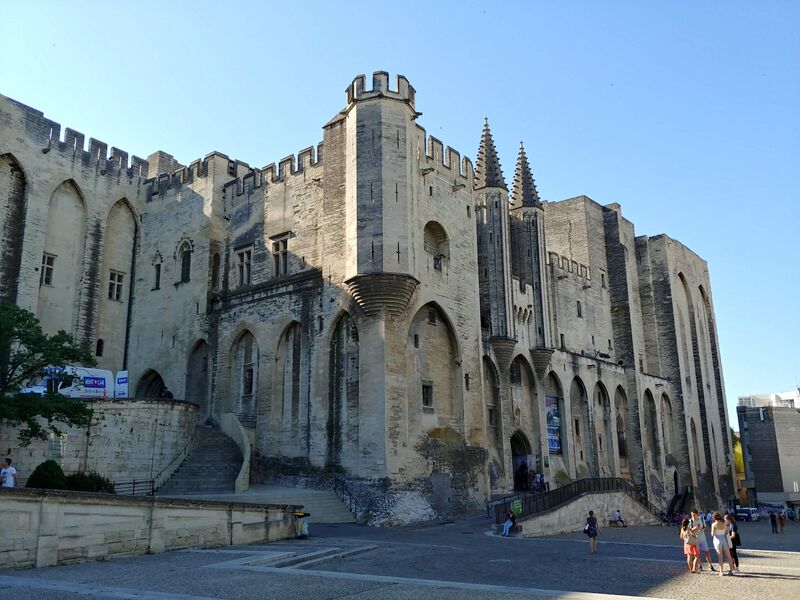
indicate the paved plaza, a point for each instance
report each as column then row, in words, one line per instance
column 459, row 560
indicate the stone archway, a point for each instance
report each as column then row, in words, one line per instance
column 12, row 225
column 602, row 431
column 521, row 460
column 343, row 430
column 151, row 385
column 583, row 450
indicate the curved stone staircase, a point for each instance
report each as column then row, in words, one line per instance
column 211, row 467
column 210, row 472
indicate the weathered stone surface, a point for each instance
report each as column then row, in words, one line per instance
column 51, row 528
column 346, row 303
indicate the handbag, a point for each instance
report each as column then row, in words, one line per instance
column 586, row 528
column 690, row 539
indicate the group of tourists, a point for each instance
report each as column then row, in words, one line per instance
column 724, row 534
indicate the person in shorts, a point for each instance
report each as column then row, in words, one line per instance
column 699, row 526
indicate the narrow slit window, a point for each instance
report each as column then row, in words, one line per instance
column 243, row 260
column 46, row 275
column 427, row 395
column 115, row 286
column 186, row 262
column 280, row 257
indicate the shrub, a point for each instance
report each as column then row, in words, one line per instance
column 561, row 478
column 89, row 482
column 47, row 475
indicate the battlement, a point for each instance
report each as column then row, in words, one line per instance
column 257, row 178
column 357, row 91
column 447, row 162
column 47, row 135
column 197, row 169
column 567, row 266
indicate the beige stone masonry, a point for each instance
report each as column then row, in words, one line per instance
column 47, row 527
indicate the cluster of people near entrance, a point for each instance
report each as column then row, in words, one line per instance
column 723, row 530
column 724, row 535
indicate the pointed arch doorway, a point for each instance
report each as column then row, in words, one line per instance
column 521, row 461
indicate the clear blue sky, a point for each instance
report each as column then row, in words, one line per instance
column 686, row 113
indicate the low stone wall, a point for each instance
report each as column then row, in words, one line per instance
column 572, row 517
column 45, row 527
column 127, row 439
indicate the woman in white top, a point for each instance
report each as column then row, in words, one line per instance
column 719, row 533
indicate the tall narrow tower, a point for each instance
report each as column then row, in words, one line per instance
column 494, row 260
column 528, row 246
column 497, row 317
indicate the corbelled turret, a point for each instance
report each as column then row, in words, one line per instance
column 488, row 172
column 524, row 191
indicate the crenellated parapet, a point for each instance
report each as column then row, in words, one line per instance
column 287, row 167
column 357, row 90
column 446, row 162
column 46, row 134
column 197, row 169
column 569, row 268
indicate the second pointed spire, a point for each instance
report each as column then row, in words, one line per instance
column 524, row 192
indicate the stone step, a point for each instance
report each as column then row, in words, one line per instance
column 212, row 466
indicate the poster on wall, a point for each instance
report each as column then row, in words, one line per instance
column 553, row 424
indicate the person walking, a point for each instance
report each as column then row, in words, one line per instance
column 733, row 538
column 8, row 475
column 773, row 520
column 697, row 523
column 689, row 536
column 591, row 529
column 782, row 520
column 719, row 532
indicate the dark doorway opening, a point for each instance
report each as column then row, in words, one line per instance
column 522, row 461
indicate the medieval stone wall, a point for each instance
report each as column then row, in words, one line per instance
column 126, row 440
column 374, row 306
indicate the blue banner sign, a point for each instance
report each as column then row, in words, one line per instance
column 553, row 424
column 94, row 382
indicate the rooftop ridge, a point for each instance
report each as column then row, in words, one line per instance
column 357, row 91
column 47, row 133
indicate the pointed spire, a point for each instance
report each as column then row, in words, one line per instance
column 487, row 170
column 524, row 190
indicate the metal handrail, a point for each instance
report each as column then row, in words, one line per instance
column 342, row 489
column 531, row 505
column 121, row 487
column 247, row 419
column 183, row 452
column 135, row 487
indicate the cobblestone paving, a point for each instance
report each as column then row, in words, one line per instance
column 460, row 560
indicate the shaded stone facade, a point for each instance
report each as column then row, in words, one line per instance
column 377, row 307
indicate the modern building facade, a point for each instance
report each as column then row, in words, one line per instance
column 376, row 306
column 779, row 399
column 771, row 448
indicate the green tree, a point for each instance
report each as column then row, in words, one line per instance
column 25, row 353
